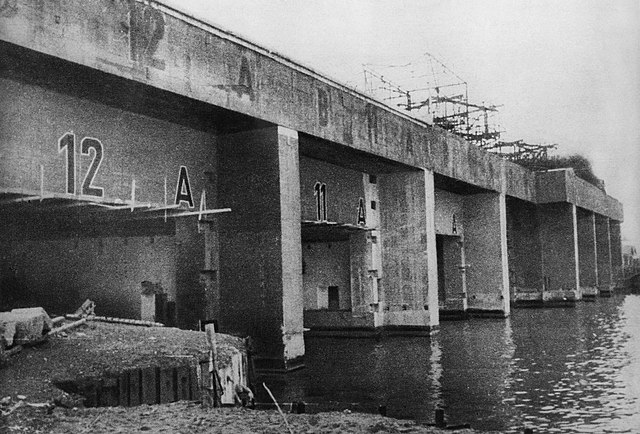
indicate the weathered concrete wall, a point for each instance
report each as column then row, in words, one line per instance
column 586, row 225
column 133, row 147
column 35, row 119
column 485, row 244
column 366, row 253
column 404, row 245
column 562, row 185
column 190, row 58
column 185, row 56
column 364, row 280
column 61, row 273
column 603, row 251
column 449, row 212
column 326, row 264
column 453, row 295
column 260, row 241
column 616, row 246
column 523, row 240
column 559, row 242
column 343, row 189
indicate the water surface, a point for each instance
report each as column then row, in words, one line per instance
column 554, row 370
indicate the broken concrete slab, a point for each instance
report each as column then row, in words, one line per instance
column 23, row 326
column 38, row 312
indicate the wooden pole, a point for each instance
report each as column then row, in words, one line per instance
column 67, row 326
column 216, row 387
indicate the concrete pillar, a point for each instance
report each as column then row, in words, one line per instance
column 559, row 242
column 432, row 263
column 525, row 255
column 260, row 243
column 603, row 249
column 405, row 199
column 485, row 243
column 587, row 251
column 616, row 248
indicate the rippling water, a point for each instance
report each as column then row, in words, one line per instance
column 554, row 370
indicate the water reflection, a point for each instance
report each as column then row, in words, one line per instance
column 555, row 370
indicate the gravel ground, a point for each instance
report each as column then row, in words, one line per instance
column 96, row 348
column 186, row 417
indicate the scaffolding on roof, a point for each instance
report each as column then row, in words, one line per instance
column 432, row 92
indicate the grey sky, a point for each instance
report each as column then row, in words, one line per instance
column 566, row 72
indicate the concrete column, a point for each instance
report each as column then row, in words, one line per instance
column 260, row 243
column 432, row 262
column 603, row 251
column 406, row 249
column 485, row 243
column 559, row 242
column 616, row 248
column 525, row 256
column 587, row 251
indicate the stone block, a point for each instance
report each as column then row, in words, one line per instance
column 22, row 326
column 37, row 312
column 7, row 330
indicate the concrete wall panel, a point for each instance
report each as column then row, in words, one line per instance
column 587, row 249
column 523, row 239
column 344, row 189
column 404, row 241
column 485, row 243
column 260, row 241
column 603, row 252
column 559, row 241
column 449, row 213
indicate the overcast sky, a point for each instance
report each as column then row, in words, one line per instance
column 566, row 72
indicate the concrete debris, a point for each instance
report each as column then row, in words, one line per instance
column 87, row 308
column 23, row 326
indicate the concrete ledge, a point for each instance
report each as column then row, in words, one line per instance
column 406, row 318
column 486, row 313
column 338, row 319
column 277, row 366
column 606, row 290
column 453, row 315
column 370, row 332
column 589, row 293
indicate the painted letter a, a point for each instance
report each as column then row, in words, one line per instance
column 183, row 189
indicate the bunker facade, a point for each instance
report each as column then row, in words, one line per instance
column 139, row 144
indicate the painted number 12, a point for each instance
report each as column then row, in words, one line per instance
column 67, row 143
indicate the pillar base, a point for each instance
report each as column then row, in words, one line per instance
column 366, row 324
column 537, row 299
column 605, row 290
column 487, row 313
column 371, row 332
column 277, row 366
column 589, row 293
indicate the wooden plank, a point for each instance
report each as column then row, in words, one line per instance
column 167, row 386
column 135, row 387
column 183, row 386
column 148, row 381
column 194, row 384
column 108, row 392
column 123, row 389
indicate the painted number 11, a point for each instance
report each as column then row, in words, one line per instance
column 67, row 143
column 320, row 192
